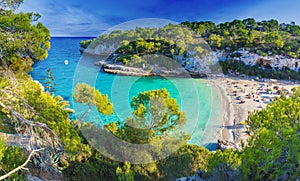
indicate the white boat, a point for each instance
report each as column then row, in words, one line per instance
column 66, row 62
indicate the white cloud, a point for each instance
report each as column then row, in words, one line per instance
column 91, row 17
column 65, row 20
column 73, row 21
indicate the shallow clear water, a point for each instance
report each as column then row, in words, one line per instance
column 195, row 96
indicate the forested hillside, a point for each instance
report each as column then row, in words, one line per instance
column 264, row 37
column 266, row 40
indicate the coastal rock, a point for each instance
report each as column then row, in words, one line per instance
column 275, row 62
column 136, row 71
column 133, row 71
column 35, row 178
column 190, row 66
column 200, row 67
column 224, row 145
column 196, row 177
column 101, row 49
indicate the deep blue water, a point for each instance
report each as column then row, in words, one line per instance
column 195, row 96
column 61, row 49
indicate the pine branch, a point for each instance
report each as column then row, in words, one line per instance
column 28, row 122
column 9, row 92
column 21, row 166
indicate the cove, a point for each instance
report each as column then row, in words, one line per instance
column 196, row 97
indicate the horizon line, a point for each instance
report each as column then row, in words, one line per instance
column 74, row 36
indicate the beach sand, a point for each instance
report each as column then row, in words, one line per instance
column 242, row 95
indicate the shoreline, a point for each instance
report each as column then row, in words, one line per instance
column 120, row 69
column 227, row 118
column 232, row 90
column 241, row 95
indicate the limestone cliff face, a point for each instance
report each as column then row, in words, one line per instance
column 101, row 49
column 203, row 65
column 275, row 62
column 189, row 62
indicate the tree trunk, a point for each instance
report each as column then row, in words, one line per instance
column 83, row 116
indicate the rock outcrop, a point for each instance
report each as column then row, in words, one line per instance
column 23, row 141
column 196, row 177
column 100, row 49
column 196, row 67
column 190, row 64
column 225, row 144
column 156, row 71
column 275, row 62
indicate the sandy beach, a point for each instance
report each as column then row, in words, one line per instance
column 242, row 95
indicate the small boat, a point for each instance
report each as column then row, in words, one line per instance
column 66, row 62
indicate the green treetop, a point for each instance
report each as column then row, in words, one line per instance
column 272, row 153
column 155, row 115
column 261, row 37
column 22, row 40
column 89, row 96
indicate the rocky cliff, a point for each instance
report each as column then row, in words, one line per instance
column 275, row 62
column 195, row 66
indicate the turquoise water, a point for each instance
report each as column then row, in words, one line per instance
column 195, row 96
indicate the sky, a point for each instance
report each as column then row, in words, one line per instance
column 92, row 17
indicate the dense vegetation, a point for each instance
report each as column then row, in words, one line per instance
column 21, row 40
column 155, row 115
column 87, row 95
column 131, row 47
column 272, row 152
column 26, row 108
column 173, row 34
column 130, row 51
column 10, row 157
column 265, row 37
column 156, row 119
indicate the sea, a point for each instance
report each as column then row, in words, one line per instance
column 196, row 97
